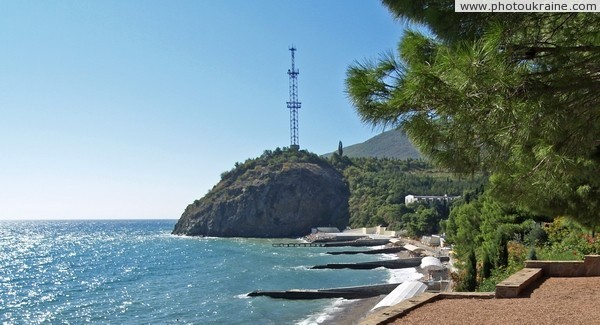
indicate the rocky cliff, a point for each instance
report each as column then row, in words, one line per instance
column 270, row 198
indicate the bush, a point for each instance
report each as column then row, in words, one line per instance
column 516, row 261
column 549, row 253
column 498, row 275
column 568, row 241
column 532, row 254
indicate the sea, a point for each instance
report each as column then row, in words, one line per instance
column 136, row 272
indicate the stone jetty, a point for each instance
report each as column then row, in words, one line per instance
column 351, row 243
column 357, row 292
column 387, row 250
column 400, row 263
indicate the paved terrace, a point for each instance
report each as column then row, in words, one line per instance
column 544, row 293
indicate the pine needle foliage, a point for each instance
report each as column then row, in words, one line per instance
column 513, row 95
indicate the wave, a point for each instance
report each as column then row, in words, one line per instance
column 291, row 268
column 388, row 256
column 403, row 275
column 325, row 314
column 400, row 275
column 242, row 296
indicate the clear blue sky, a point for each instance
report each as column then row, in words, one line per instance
column 133, row 109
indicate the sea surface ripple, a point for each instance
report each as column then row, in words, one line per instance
column 131, row 272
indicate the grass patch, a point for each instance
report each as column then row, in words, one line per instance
column 550, row 254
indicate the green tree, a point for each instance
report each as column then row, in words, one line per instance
column 486, row 265
column 469, row 280
column 487, row 227
column 513, row 95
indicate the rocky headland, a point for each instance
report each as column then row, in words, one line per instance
column 281, row 194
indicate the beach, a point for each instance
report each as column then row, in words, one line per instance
column 353, row 311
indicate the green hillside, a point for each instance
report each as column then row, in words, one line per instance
column 390, row 144
column 378, row 187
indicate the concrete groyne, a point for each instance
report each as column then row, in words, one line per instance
column 351, row 243
column 299, row 245
column 389, row 250
column 358, row 243
column 357, row 292
column 400, row 263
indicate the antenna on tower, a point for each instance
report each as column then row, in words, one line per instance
column 293, row 104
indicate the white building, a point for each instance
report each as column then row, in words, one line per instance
column 428, row 198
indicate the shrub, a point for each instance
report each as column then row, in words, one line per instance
column 532, row 254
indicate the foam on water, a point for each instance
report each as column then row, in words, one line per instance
column 403, row 275
column 325, row 314
column 393, row 276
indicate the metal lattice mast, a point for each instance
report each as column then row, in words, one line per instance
column 293, row 104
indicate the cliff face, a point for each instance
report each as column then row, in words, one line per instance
column 279, row 200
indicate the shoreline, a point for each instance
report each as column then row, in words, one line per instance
column 353, row 311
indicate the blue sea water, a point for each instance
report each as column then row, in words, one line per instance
column 131, row 272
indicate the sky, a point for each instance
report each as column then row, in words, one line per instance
column 127, row 109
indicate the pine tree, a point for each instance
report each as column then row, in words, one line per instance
column 513, row 95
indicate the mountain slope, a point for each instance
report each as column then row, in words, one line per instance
column 389, row 144
column 282, row 194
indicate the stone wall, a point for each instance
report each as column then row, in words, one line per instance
column 590, row 266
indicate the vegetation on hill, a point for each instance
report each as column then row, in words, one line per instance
column 389, row 144
column 243, row 171
column 378, row 188
column 273, row 157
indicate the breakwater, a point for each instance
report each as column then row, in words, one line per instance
column 351, row 243
column 400, row 263
column 299, row 245
column 357, row 292
column 388, row 250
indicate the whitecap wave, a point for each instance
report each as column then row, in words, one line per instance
column 291, row 268
column 326, row 314
column 388, row 256
column 242, row 296
column 301, row 267
column 403, row 275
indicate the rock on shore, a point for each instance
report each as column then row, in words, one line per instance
column 275, row 200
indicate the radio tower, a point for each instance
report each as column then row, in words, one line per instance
column 293, row 104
